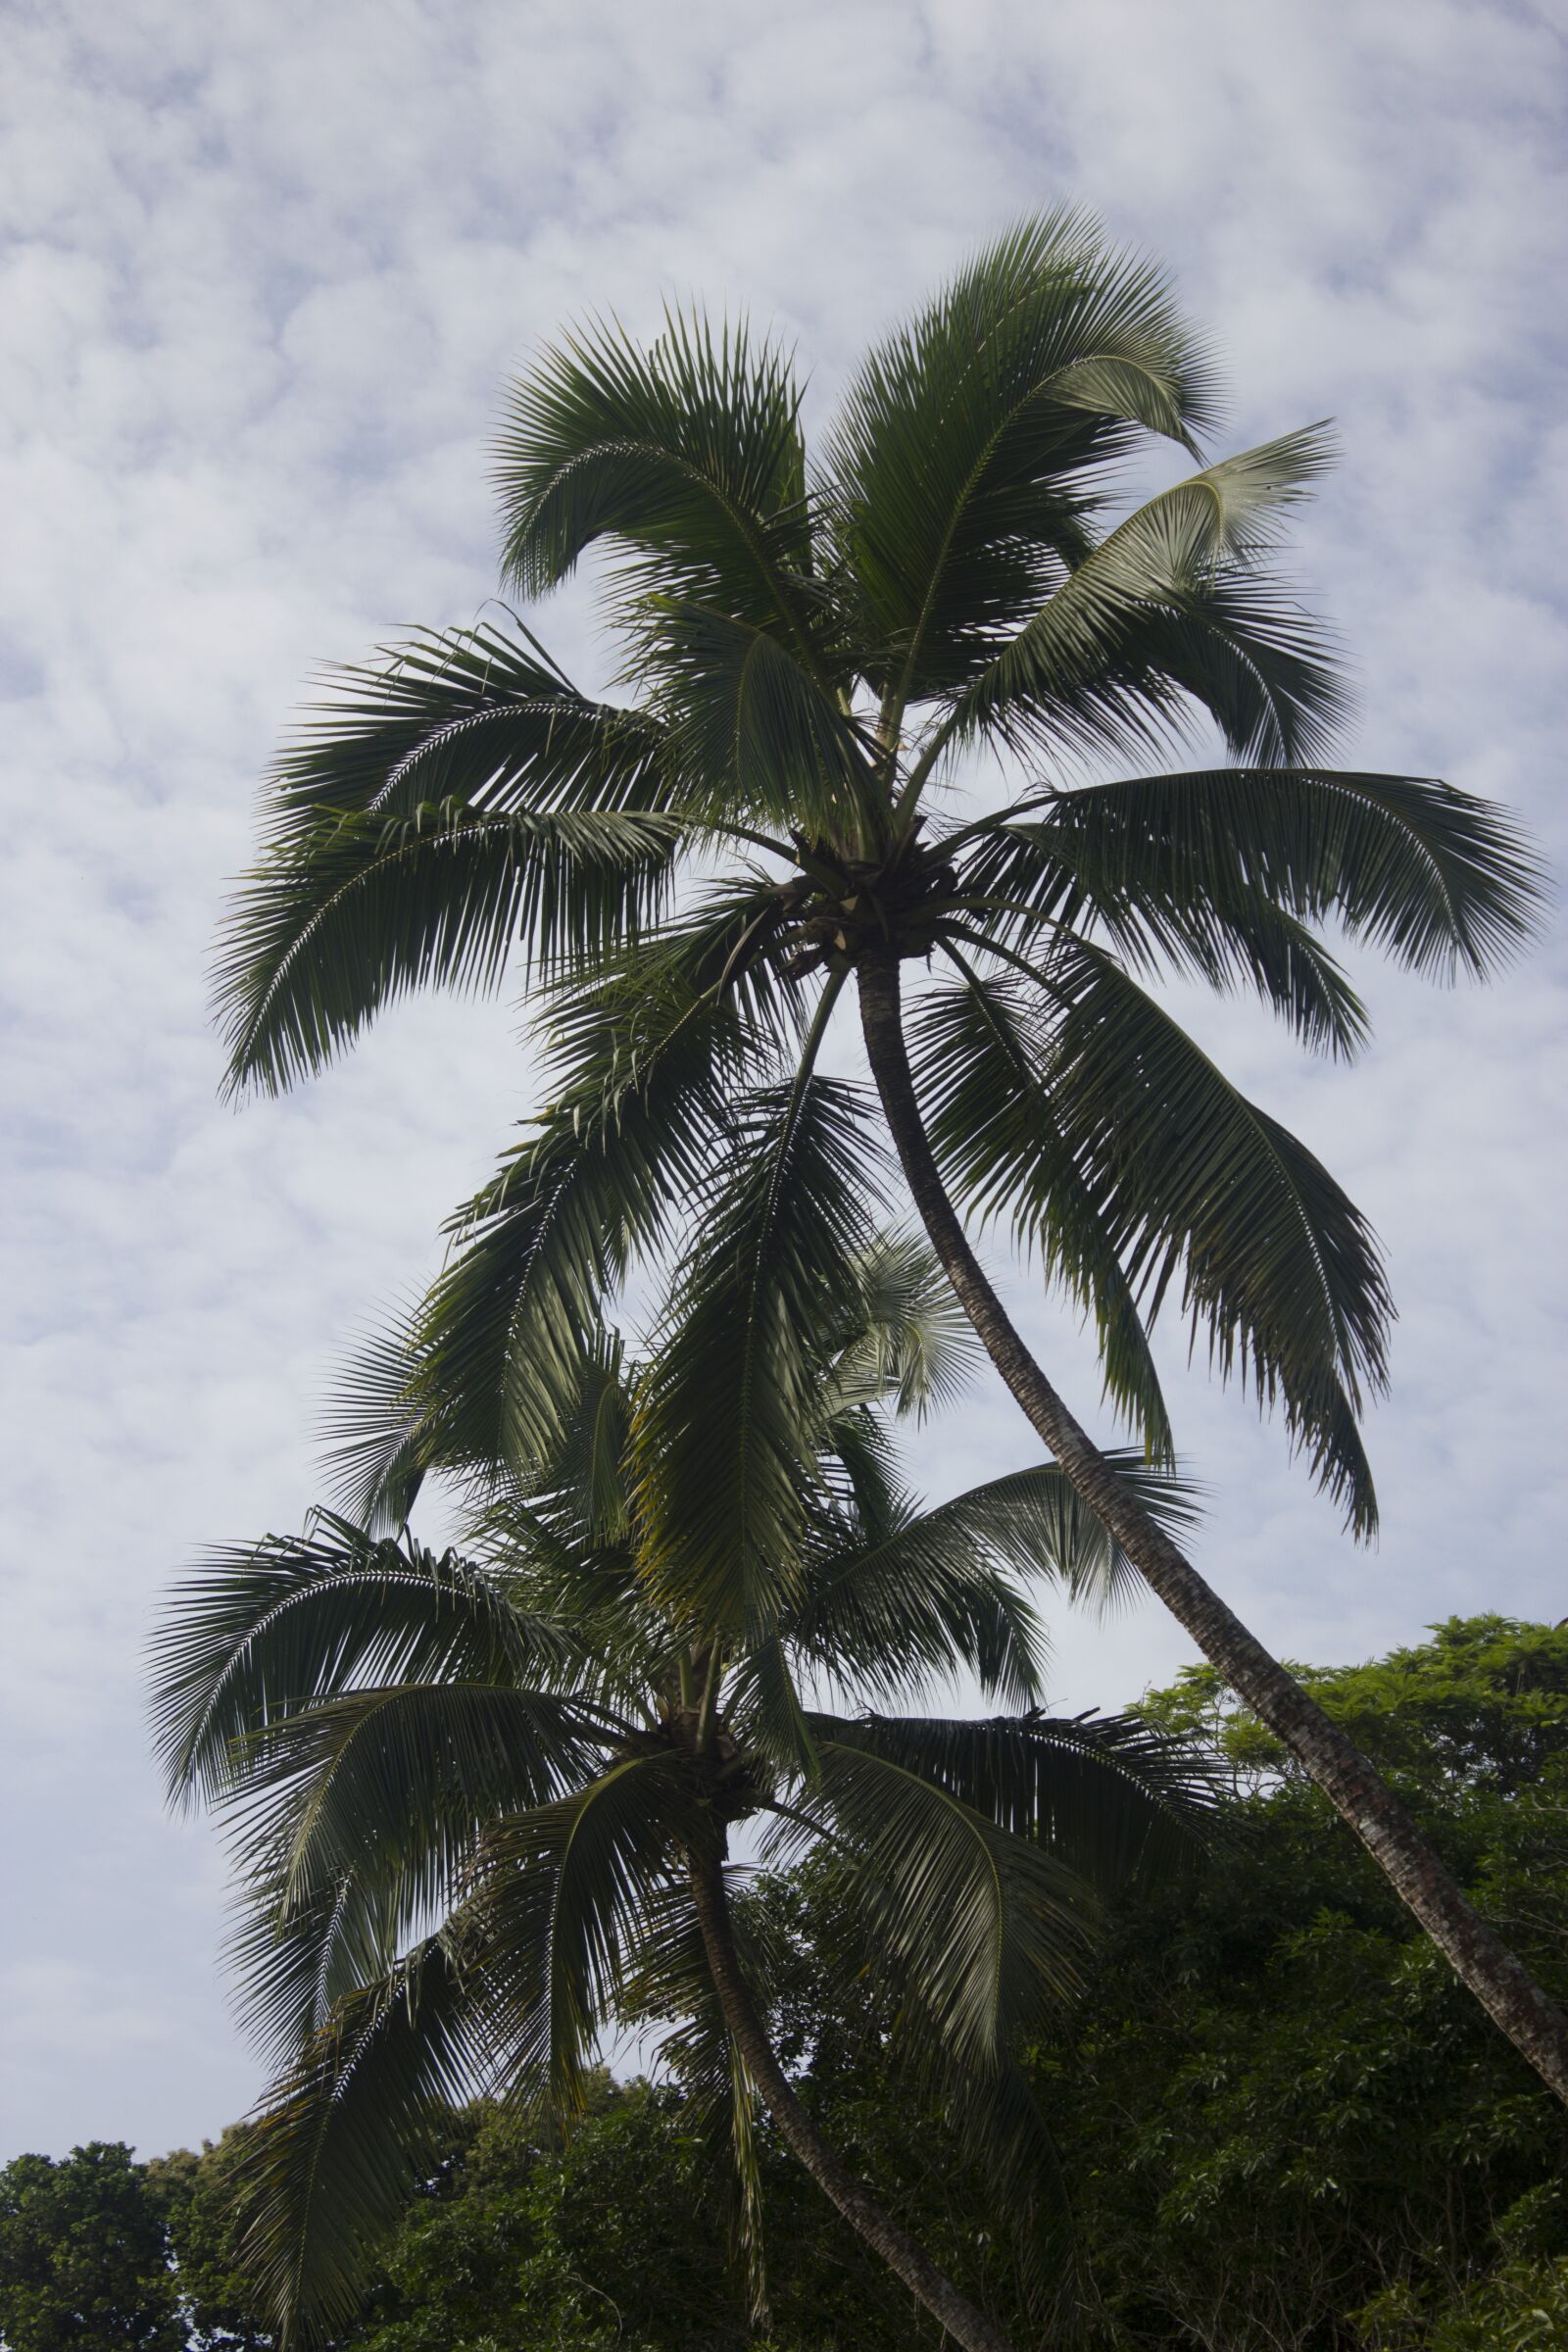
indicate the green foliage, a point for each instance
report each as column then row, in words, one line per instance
column 475, row 1799
column 1276, row 2118
column 84, row 2261
column 814, row 640
column 1285, row 2121
column 196, row 2194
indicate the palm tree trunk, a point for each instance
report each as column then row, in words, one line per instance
column 907, row 2261
column 1504, row 1987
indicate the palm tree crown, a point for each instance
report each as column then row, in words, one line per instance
column 817, row 647
column 481, row 1804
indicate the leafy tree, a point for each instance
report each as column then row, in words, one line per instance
column 484, row 1807
column 817, row 647
column 1282, row 2121
column 84, row 2261
column 195, row 2194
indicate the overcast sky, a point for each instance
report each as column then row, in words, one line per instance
column 266, row 266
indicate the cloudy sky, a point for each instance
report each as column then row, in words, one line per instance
column 266, row 266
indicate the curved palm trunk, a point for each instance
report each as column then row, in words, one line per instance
column 1502, row 1983
column 957, row 2315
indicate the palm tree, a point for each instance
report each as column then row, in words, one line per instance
column 773, row 827
column 484, row 1806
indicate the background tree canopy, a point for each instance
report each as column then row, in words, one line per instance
column 1280, row 2120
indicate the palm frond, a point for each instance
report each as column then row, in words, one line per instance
column 908, row 1342
column 1277, row 1263
column 1109, row 660
column 258, row 1631
column 979, row 1059
column 507, row 1329
column 988, row 1930
column 936, row 1592
column 753, row 733
column 480, row 715
column 1107, row 1794
column 571, row 1892
column 1434, row 877
column 973, row 443
column 330, row 2160
column 688, row 455
column 356, row 915
column 730, row 1409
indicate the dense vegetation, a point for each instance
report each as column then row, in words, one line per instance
column 1280, row 2121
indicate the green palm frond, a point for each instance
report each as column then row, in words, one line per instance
column 505, row 1332
column 1014, row 1922
column 1109, row 660
column 753, row 733
column 382, row 1430
column 688, row 455
column 1432, row 875
column 568, row 1891
column 1107, row 1794
column 979, row 1058
column 973, row 444
column 1025, row 878
column 1183, row 1174
column 257, row 1632
column 326, row 934
column 333, row 2156
column 480, row 715
column 907, row 1334
column 733, row 1395
column 938, row 1586
column 1276, row 1262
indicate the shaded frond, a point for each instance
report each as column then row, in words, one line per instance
column 255, row 1632
column 977, row 1053
column 973, row 443
column 726, row 1435
column 349, row 919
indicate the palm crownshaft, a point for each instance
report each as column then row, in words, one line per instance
column 483, row 1808
column 816, row 649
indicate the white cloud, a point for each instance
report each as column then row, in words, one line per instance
column 265, row 268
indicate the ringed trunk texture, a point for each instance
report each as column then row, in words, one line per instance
column 1478, row 1955
column 906, row 2260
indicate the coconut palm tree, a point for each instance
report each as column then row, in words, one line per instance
column 773, row 826
column 484, row 1804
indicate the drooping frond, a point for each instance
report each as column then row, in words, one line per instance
column 687, row 454
column 1181, row 1174
column 1025, row 883
column 937, row 1588
column 977, row 1054
column 1277, row 1264
column 507, row 1329
column 987, row 1929
column 568, row 1891
column 254, row 1632
column 752, row 732
column 1104, row 1793
column 470, row 725
column 727, row 1428
column 1170, row 607
column 1186, row 864
column 324, row 935
column 341, row 2142
column 927, row 1595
